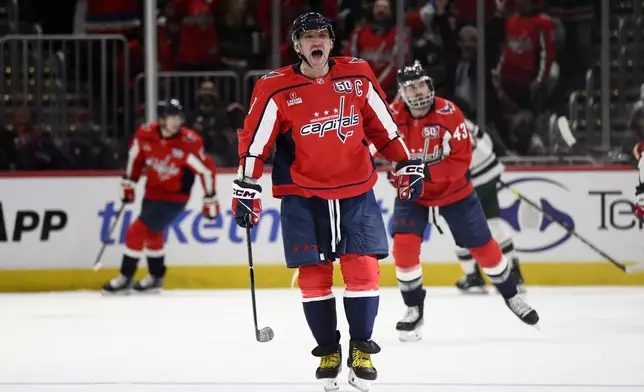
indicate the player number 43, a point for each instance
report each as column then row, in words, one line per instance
column 461, row 132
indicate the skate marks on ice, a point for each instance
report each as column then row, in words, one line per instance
column 196, row 341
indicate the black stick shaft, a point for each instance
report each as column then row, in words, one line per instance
column 251, row 270
column 109, row 234
column 566, row 227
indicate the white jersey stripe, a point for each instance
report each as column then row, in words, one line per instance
column 380, row 108
column 264, row 130
column 203, row 170
column 133, row 153
column 262, row 136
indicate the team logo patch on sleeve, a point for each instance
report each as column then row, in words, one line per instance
column 447, row 109
column 272, row 74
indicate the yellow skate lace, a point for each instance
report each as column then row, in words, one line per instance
column 361, row 359
column 330, row 361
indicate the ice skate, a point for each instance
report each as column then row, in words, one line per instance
column 522, row 310
column 330, row 365
column 472, row 283
column 362, row 373
column 410, row 326
column 149, row 284
column 518, row 277
column 121, row 285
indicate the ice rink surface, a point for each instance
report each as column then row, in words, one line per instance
column 590, row 339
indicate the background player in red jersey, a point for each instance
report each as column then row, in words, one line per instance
column 318, row 114
column 423, row 118
column 172, row 155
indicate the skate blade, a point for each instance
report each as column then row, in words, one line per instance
column 106, row 293
column 150, row 291
column 479, row 290
column 360, row 384
column 410, row 336
column 330, row 384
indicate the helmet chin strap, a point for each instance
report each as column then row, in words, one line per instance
column 304, row 60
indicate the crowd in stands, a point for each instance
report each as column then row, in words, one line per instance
column 537, row 52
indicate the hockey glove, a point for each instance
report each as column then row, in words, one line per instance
column 247, row 203
column 127, row 190
column 639, row 200
column 210, row 207
column 409, row 179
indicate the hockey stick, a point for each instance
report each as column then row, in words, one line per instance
column 265, row 334
column 629, row 269
column 97, row 262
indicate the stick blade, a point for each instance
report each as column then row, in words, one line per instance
column 264, row 335
column 635, row 268
column 98, row 266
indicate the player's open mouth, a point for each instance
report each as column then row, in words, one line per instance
column 317, row 54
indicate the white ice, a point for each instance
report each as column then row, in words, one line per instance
column 591, row 339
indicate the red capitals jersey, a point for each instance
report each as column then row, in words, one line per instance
column 529, row 49
column 379, row 50
column 449, row 154
column 171, row 164
column 319, row 127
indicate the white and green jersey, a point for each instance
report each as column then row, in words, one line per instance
column 485, row 166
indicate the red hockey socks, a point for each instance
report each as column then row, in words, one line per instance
column 135, row 238
column 495, row 266
column 315, row 282
column 408, row 270
column 361, row 296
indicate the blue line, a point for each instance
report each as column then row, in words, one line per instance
column 269, row 383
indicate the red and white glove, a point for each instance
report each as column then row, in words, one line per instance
column 127, row 190
column 211, row 207
column 409, row 179
column 247, row 203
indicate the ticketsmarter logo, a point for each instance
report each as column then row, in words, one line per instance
column 335, row 122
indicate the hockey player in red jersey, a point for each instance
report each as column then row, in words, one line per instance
column 317, row 114
column 172, row 156
column 426, row 120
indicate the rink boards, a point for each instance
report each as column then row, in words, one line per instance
column 51, row 228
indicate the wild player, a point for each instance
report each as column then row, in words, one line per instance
column 172, row 155
column 486, row 171
column 423, row 118
column 639, row 190
column 318, row 113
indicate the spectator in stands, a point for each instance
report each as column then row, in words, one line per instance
column 522, row 75
column 241, row 42
column 113, row 17
column 198, row 48
column 87, row 149
column 35, row 150
column 8, row 149
column 378, row 42
column 212, row 121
